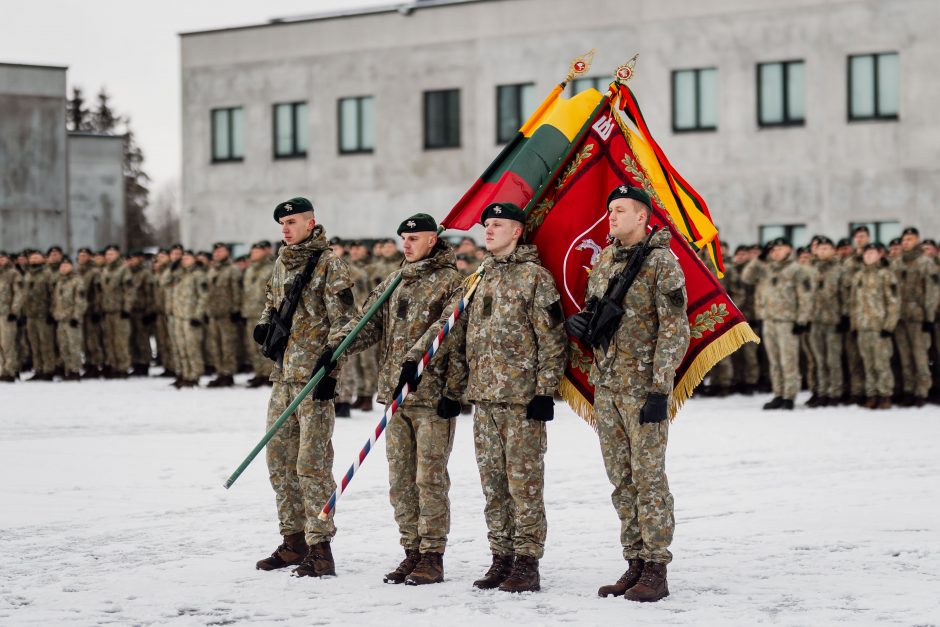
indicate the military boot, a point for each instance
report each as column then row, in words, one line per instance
column 341, row 410
column 651, row 586
column 626, row 581
column 787, row 404
column 871, row 402
column 318, row 563
column 221, row 381
column 292, row 551
column 429, row 570
column 363, row 404
column 775, row 403
column 814, row 401
column 256, row 382
column 404, row 569
column 91, row 372
column 140, row 370
column 884, row 402
column 524, row 576
column 497, row 574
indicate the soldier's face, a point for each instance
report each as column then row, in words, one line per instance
column 83, row 257
column 36, row 259
column 741, row 256
column 188, row 260
column 627, row 220
column 220, row 253
column 910, row 241
column 256, row 254
column 295, row 229
column 871, row 256
column 417, row 246
column 779, row 253
column 338, row 249
column 162, row 259
column 99, row 259
column 894, row 250
column 930, row 250
column 500, row 235
column 357, row 252
column 55, row 257
column 175, row 254
column 4, row 262
column 110, row 255
column 65, row 269
column 860, row 239
column 845, row 251
column 825, row 251
column 389, row 249
column 467, row 247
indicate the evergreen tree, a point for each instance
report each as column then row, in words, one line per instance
column 77, row 115
column 104, row 119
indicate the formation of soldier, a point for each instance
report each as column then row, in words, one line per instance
column 852, row 321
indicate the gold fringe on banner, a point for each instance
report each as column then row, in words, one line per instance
column 577, row 402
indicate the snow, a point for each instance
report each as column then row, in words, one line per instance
column 113, row 512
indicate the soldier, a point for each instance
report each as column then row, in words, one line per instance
column 633, row 381
column 11, row 289
column 745, row 363
column 190, row 292
column 825, row 339
column 467, row 250
column 225, row 318
column 160, row 269
column 919, row 284
column 117, row 301
column 168, row 283
column 420, row 436
column 364, row 363
column 300, row 455
column 346, row 383
column 785, row 305
column 37, row 309
column 854, row 389
column 91, row 322
column 894, row 248
column 142, row 314
column 53, row 259
column 68, row 308
column 515, row 351
column 254, row 280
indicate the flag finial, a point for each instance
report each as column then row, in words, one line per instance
column 625, row 72
column 581, row 65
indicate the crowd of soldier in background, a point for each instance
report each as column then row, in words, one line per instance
column 852, row 321
column 107, row 315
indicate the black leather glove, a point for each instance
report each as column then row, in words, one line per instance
column 655, row 409
column 577, row 325
column 73, row 323
column 21, row 321
column 149, row 318
column 541, row 408
column 50, row 319
column 325, row 390
column 800, row 329
column 886, row 334
column 409, row 375
column 125, row 315
column 927, row 327
column 194, row 322
column 96, row 318
column 325, row 361
column 235, row 317
column 843, row 326
column 205, row 318
column 11, row 317
column 260, row 332
column 448, row 408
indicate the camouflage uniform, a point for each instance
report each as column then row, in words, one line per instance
column 300, row 455
column 648, row 346
column 189, row 314
column 11, row 289
column 919, row 285
column 117, row 301
column 854, row 370
column 92, row 333
column 784, row 297
column 515, row 348
column 224, row 304
column 254, row 281
column 68, row 309
column 746, row 364
column 162, row 286
column 418, row 441
column 825, row 340
column 365, row 363
column 807, row 363
column 875, row 307
column 141, row 314
column 37, row 307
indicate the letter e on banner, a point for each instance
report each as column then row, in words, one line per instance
column 604, row 127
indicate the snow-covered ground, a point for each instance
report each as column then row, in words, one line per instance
column 112, row 511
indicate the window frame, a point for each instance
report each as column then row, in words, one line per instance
column 230, row 131
column 875, row 229
column 598, row 82
column 785, row 95
column 698, row 128
column 520, row 114
column 877, row 115
column 359, row 150
column 425, row 102
column 294, row 153
column 787, row 232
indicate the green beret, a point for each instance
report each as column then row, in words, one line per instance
column 292, row 207
column 418, row 223
column 504, row 210
column 629, row 191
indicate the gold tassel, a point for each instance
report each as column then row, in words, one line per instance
column 577, row 402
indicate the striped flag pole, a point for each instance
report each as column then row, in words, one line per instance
column 396, row 402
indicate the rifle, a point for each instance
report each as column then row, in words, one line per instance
column 275, row 341
column 605, row 313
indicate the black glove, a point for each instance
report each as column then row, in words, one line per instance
column 800, row 329
column 73, row 323
column 448, row 408
column 540, row 408
column 409, row 375
column 577, row 325
column 260, row 332
column 325, row 390
column 149, row 318
column 235, row 317
column 886, row 334
column 205, row 318
column 125, row 315
column 96, row 318
column 854, row 333
column 50, row 319
column 11, row 317
column 325, row 361
column 927, row 327
column 757, row 325
column 21, row 321
column 655, row 409
column 843, row 326
column 765, row 251
column 193, row 322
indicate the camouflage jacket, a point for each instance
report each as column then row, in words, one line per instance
column 653, row 335
column 515, row 342
column 427, row 287
column 68, row 298
column 143, row 289
column 37, row 292
column 874, row 305
column 117, row 292
column 327, row 304
column 225, row 289
column 382, row 267
column 740, row 292
column 919, row 285
column 11, row 290
column 91, row 281
column 254, row 281
column 190, row 293
column 828, row 304
column 359, row 272
column 784, row 290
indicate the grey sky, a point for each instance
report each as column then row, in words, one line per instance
column 132, row 48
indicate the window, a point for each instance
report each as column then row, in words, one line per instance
column 442, row 119
column 290, row 130
column 795, row 233
column 874, row 81
column 589, row 82
column 882, row 232
column 780, row 94
column 514, row 105
column 695, row 100
column 356, row 125
column 228, row 134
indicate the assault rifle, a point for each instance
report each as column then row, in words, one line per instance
column 275, row 341
column 605, row 313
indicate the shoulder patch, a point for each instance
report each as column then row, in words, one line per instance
column 676, row 298
column 555, row 313
column 346, row 297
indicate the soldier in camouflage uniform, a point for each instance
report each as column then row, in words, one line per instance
column 346, row 383
column 117, row 301
column 53, row 259
column 37, row 307
column 225, row 318
column 515, row 348
column 68, row 309
column 169, row 285
column 420, row 436
column 190, row 292
column 785, row 305
column 300, row 455
column 254, row 280
column 161, row 275
column 633, row 381
column 93, row 347
column 854, row 389
column 364, row 363
column 875, row 308
column 142, row 314
column 11, row 289
column 745, row 360
column 825, row 339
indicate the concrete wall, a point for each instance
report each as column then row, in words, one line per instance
column 96, row 190
column 824, row 174
column 33, row 187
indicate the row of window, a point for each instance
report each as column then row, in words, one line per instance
column 798, row 234
column 873, row 86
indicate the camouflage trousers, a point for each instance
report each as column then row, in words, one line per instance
column 635, row 460
column 854, row 370
column 259, row 363
column 164, row 346
column 41, row 344
column 510, row 453
column 784, row 357
column 367, row 372
column 9, row 357
column 746, row 364
column 808, row 362
column 222, row 343
column 69, row 341
column 876, row 359
column 418, row 444
column 913, row 349
column 826, row 344
column 94, row 345
column 141, row 351
column 175, row 363
column 722, row 375
column 346, row 384
column 117, row 339
column 189, row 349
column 300, row 463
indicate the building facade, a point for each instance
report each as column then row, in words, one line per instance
column 790, row 117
